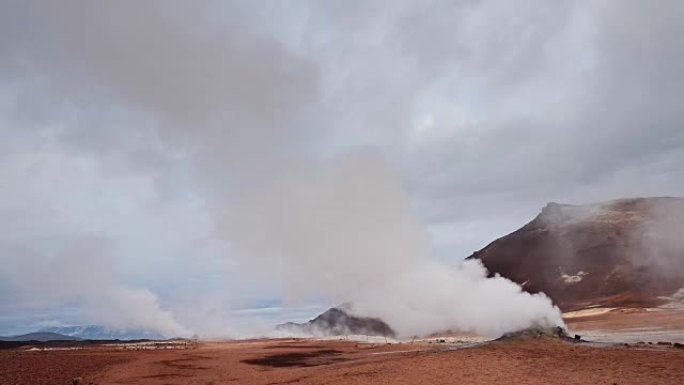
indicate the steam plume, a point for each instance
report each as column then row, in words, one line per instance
column 142, row 122
column 345, row 232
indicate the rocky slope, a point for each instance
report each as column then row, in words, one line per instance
column 337, row 321
column 623, row 253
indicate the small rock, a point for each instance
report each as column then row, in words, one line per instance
column 77, row 381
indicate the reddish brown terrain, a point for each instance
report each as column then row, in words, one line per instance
column 616, row 269
column 55, row 367
column 526, row 361
column 623, row 253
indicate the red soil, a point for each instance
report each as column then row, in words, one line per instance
column 301, row 361
column 19, row 367
column 339, row 362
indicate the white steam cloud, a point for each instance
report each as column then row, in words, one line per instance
column 345, row 232
column 78, row 274
column 129, row 130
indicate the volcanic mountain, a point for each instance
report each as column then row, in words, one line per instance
column 622, row 253
column 337, row 321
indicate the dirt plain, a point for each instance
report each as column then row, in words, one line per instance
column 308, row 361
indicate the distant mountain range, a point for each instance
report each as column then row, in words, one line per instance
column 40, row 336
column 95, row 332
column 87, row 332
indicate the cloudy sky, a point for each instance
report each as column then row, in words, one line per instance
column 135, row 137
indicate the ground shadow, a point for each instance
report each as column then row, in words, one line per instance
column 298, row 359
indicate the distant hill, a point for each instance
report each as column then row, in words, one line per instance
column 622, row 253
column 40, row 336
column 95, row 332
column 335, row 322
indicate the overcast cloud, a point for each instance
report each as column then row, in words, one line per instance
column 131, row 132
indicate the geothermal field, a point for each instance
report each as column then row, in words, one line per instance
column 611, row 332
column 521, row 359
column 365, row 192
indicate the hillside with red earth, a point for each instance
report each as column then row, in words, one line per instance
column 622, row 253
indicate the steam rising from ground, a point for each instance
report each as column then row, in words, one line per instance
column 78, row 274
column 658, row 242
column 144, row 123
column 345, row 232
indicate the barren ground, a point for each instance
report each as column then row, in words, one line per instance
column 302, row 361
column 630, row 325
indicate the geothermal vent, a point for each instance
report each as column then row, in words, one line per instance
column 536, row 332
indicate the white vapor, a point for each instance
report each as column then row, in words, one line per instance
column 168, row 155
column 345, row 232
column 79, row 274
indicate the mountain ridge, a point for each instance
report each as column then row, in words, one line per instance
column 621, row 253
column 96, row 332
column 40, row 336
